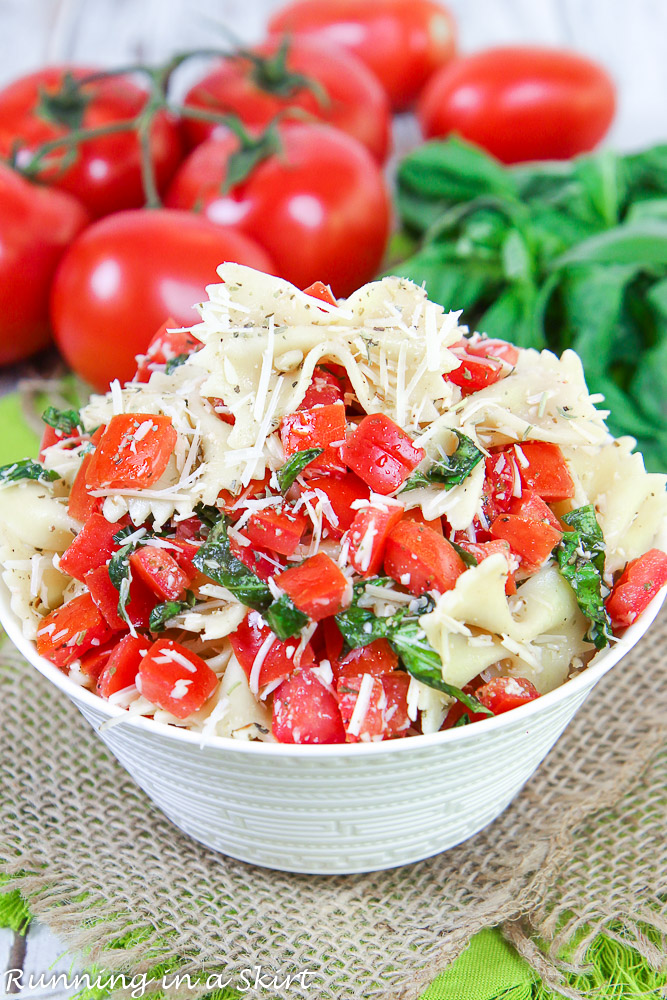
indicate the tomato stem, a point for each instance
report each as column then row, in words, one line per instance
column 70, row 141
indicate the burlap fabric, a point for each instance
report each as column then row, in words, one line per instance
column 582, row 849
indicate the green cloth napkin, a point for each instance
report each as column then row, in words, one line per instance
column 16, row 439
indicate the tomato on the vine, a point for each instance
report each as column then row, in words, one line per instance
column 521, row 103
column 104, row 172
column 126, row 274
column 36, row 227
column 294, row 75
column 318, row 204
column 402, row 41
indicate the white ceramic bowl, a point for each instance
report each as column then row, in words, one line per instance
column 343, row 808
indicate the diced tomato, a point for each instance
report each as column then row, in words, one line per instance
column 458, row 709
column 165, row 346
column 92, row 547
column 482, row 551
column 95, row 660
column 71, row 630
column 123, row 665
column 305, row 711
column 381, row 453
column 276, row 528
column 531, row 540
column 396, row 718
column 320, row 427
column 636, row 587
column 501, row 482
column 377, row 658
column 416, row 514
column 489, row 348
column 188, row 529
column 81, row 504
column 51, row 436
column 320, row 291
column 386, row 698
column 278, row 660
column 317, row 587
column 342, row 491
column 420, row 559
column 133, row 452
column 263, row 564
column 231, row 503
column 368, row 536
column 184, row 552
column 368, row 691
column 543, row 470
column 222, row 411
column 105, row 596
column 176, row 679
column 324, row 390
column 533, row 506
column 160, row 572
column 332, row 639
column 475, row 373
column 502, row 694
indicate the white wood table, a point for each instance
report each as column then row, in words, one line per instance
column 629, row 38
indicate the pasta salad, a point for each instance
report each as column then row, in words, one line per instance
column 311, row 521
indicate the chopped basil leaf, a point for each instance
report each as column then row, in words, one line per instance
column 450, row 470
column 295, row 465
column 216, row 560
column 124, row 533
column 424, row 664
column 175, row 363
column 463, row 720
column 284, row 618
column 120, row 573
column 468, row 558
column 26, row 469
column 360, row 627
column 65, row 421
column 208, row 514
column 580, row 555
column 163, row 613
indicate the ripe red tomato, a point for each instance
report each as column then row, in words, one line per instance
column 106, row 173
column 521, row 103
column 320, row 206
column 402, row 41
column 36, row 227
column 350, row 97
column 126, row 273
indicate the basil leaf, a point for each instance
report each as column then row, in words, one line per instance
column 424, row 664
column 580, row 555
column 27, row 469
column 208, row 514
column 216, row 560
column 175, row 363
column 124, row 533
column 463, row 720
column 450, row 470
column 65, row 421
column 295, row 465
column 360, row 627
column 120, row 572
column 468, row 558
column 163, row 613
column 284, row 618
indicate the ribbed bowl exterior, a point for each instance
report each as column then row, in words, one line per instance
column 333, row 815
column 335, row 809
